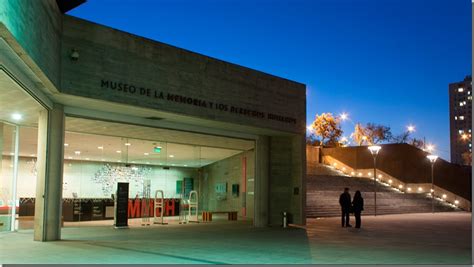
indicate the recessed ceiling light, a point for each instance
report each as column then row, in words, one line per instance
column 87, row 158
column 118, row 151
column 128, row 144
column 100, row 147
column 17, row 116
column 69, row 157
column 146, row 154
column 66, row 144
column 171, row 156
column 77, row 152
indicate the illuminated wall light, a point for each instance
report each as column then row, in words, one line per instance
column 146, row 154
column 444, row 196
column 409, row 188
column 185, row 165
column 119, row 161
column 377, row 179
column 11, row 153
column 390, row 181
column 32, row 155
column 334, row 164
column 69, row 157
column 171, row 156
column 432, row 190
column 380, row 175
column 77, row 152
column 128, row 144
column 103, row 159
column 360, row 174
column 456, row 202
column 100, row 147
column 400, row 186
column 66, row 145
column 353, row 173
column 87, row 158
column 369, row 174
column 118, row 151
column 420, row 189
column 343, row 168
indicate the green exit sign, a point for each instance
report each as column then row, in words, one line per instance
column 157, row 149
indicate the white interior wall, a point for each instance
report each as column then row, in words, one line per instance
column 80, row 177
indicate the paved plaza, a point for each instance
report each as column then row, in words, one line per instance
column 443, row 238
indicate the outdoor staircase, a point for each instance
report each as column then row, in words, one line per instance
column 322, row 199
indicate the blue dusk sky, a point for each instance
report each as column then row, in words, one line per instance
column 381, row 61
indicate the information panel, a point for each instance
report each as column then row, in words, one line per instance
column 121, row 206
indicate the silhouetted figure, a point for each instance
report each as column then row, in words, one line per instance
column 345, row 202
column 358, row 206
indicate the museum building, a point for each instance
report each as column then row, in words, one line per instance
column 84, row 107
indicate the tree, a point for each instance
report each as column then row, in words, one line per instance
column 467, row 158
column 377, row 133
column 417, row 143
column 401, row 138
column 359, row 135
column 327, row 128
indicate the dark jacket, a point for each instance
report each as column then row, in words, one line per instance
column 345, row 201
column 358, row 204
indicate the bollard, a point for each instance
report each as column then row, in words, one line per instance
column 285, row 221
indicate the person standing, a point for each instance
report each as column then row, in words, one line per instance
column 358, row 206
column 345, row 202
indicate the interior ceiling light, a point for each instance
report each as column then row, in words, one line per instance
column 77, row 152
column 118, row 151
column 146, row 154
column 171, row 156
column 66, row 144
column 100, row 147
column 128, row 144
column 17, row 116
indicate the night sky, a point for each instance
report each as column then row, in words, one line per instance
column 381, row 61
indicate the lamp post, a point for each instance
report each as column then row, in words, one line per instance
column 432, row 159
column 374, row 150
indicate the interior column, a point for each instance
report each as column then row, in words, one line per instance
column 261, row 181
column 50, row 174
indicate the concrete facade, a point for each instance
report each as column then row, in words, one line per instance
column 124, row 78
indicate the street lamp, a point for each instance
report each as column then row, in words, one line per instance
column 432, row 159
column 374, row 150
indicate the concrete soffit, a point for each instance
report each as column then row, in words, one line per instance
column 20, row 67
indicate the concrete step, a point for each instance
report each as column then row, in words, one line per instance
column 323, row 192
